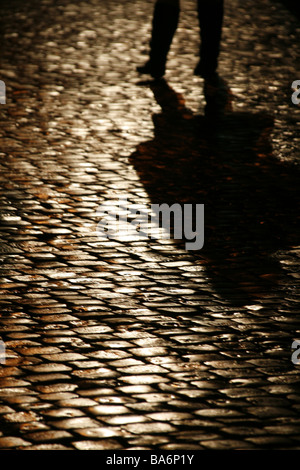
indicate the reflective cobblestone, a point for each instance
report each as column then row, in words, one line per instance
column 140, row 344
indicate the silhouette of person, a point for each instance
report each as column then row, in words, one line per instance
column 251, row 198
column 164, row 25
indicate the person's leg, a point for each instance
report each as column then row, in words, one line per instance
column 164, row 24
column 210, row 19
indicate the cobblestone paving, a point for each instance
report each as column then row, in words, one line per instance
column 132, row 343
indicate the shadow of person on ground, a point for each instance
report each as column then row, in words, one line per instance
column 224, row 160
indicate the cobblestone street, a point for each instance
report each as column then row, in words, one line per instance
column 134, row 343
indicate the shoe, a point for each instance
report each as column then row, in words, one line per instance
column 208, row 72
column 217, row 95
column 155, row 70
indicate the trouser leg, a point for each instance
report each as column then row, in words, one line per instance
column 164, row 25
column 210, row 13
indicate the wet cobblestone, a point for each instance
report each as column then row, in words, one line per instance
column 140, row 344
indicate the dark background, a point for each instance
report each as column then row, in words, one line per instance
column 293, row 5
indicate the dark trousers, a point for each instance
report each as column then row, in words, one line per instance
column 164, row 25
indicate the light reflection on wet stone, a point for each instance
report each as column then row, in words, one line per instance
column 124, row 344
